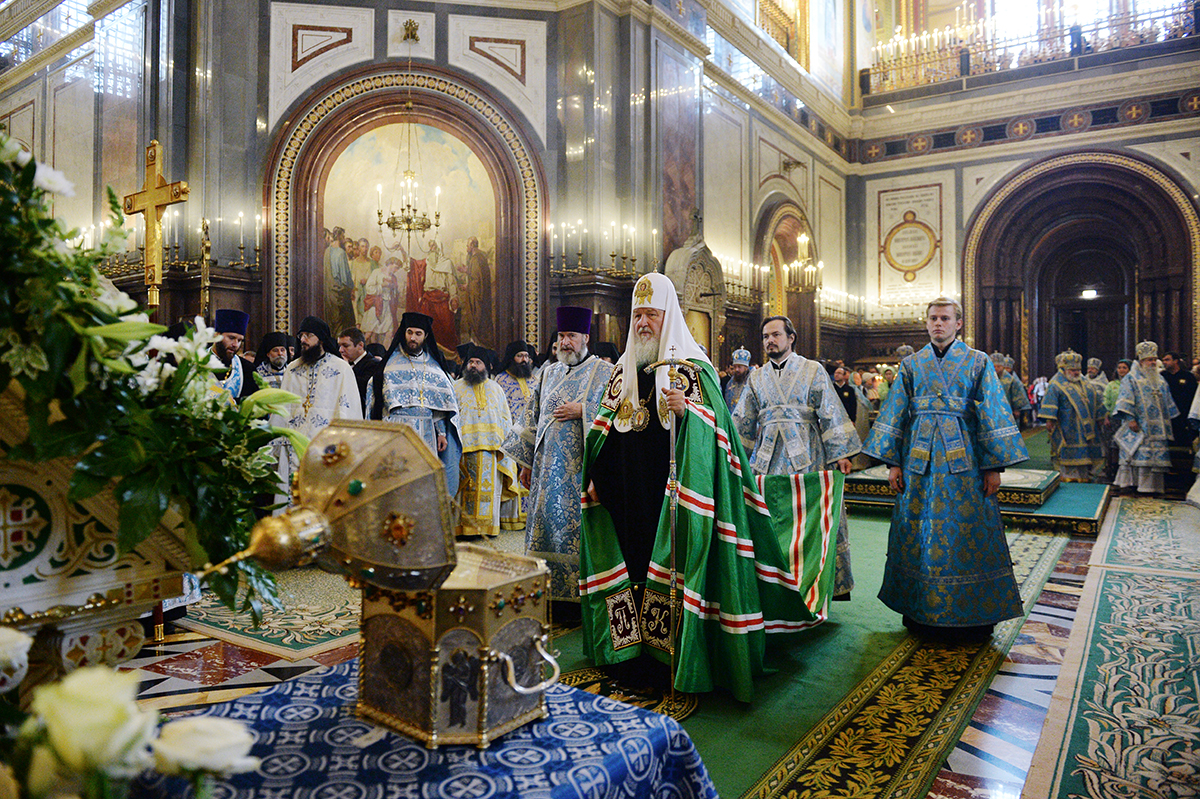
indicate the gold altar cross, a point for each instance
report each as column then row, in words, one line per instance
column 156, row 195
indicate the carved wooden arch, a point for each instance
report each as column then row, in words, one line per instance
column 1128, row 200
column 336, row 113
column 783, row 219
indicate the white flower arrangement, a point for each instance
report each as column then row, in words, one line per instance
column 86, row 734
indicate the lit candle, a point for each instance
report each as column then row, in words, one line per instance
column 614, row 237
column 633, row 242
column 241, row 231
column 379, row 188
column 579, row 240
column 654, row 243
column 437, row 199
column 624, row 240
column 258, row 230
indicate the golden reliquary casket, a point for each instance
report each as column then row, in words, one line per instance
column 454, row 637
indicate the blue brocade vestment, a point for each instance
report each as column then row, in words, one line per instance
column 946, row 420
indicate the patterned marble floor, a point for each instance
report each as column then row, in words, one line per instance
column 189, row 670
column 993, row 755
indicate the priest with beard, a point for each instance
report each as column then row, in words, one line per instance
column 326, row 387
column 231, row 327
column 750, row 559
column 548, row 444
column 487, row 476
column 514, row 377
column 271, row 358
column 414, row 388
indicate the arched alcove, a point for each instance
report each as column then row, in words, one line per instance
column 1066, row 223
column 341, row 113
column 776, row 245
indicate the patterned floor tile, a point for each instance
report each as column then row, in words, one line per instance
column 211, row 665
column 949, row 785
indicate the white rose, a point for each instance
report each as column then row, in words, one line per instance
column 50, row 179
column 14, row 657
column 14, row 647
column 204, row 743
column 92, row 719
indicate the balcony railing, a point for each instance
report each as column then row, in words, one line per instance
column 976, row 49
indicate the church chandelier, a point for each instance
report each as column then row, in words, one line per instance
column 410, row 218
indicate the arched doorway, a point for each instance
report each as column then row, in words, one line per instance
column 778, row 245
column 367, row 102
column 1086, row 285
column 1097, row 220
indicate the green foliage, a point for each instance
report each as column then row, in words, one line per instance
column 98, row 387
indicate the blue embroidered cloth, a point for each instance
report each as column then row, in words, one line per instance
column 313, row 746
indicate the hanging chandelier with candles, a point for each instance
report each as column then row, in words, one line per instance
column 409, row 219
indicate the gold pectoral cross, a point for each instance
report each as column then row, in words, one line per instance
column 156, row 195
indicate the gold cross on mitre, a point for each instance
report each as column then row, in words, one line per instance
column 156, row 195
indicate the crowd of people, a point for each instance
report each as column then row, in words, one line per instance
column 647, row 474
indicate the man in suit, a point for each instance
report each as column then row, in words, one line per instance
column 352, row 345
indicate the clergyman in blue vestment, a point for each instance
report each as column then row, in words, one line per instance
column 947, row 432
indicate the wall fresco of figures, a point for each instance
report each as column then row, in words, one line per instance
column 371, row 276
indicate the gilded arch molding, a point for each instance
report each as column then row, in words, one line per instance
column 987, row 213
column 290, row 151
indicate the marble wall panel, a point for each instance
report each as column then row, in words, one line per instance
column 1182, row 155
column 980, row 180
column 510, row 55
column 71, row 139
column 605, row 126
column 781, row 167
column 310, row 43
column 21, row 115
column 830, row 227
column 420, row 50
column 120, row 66
column 676, row 107
column 726, row 204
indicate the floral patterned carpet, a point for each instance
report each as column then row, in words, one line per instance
column 321, row 612
column 890, row 735
column 1125, row 715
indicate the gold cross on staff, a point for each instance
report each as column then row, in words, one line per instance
column 156, row 195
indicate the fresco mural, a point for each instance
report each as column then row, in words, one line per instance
column 373, row 277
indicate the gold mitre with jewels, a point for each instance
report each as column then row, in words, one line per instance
column 1070, row 360
column 1146, row 349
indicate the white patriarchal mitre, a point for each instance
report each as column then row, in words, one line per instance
column 654, row 290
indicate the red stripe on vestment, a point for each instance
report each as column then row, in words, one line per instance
column 599, row 582
column 697, row 503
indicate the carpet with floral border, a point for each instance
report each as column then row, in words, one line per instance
column 890, row 735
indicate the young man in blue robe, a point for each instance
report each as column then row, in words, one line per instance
column 947, row 432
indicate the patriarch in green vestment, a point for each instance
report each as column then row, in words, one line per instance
column 947, row 432
column 753, row 555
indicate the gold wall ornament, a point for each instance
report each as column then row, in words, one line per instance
column 155, row 196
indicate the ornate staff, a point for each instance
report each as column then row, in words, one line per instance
column 676, row 381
